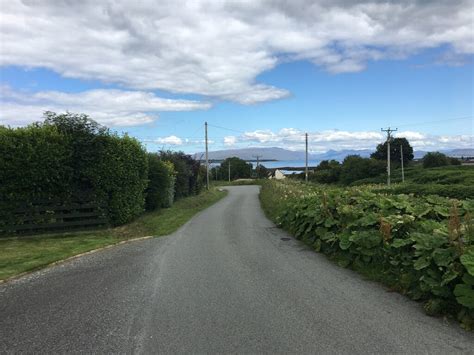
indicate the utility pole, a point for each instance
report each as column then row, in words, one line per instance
column 207, row 158
column 389, row 137
column 401, row 158
column 229, row 169
column 306, row 163
column 258, row 157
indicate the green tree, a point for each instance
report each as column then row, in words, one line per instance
column 327, row 172
column 454, row 161
column 381, row 151
column 356, row 168
column 434, row 159
column 261, row 171
column 190, row 175
column 239, row 169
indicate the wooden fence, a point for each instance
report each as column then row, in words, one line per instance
column 44, row 216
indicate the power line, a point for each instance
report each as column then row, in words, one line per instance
column 227, row 129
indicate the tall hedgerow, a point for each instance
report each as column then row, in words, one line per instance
column 69, row 157
column 161, row 181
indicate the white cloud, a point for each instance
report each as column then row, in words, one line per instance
column 171, row 140
column 218, row 48
column 294, row 139
column 109, row 107
column 230, row 140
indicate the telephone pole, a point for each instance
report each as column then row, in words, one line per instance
column 207, row 158
column 229, row 169
column 306, row 163
column 389, row 137
column 258, row 157
column 401, row 158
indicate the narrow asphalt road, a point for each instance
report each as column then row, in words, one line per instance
column 224, row 283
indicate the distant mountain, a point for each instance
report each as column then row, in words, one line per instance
column 341, row 154
column 250, row 153
column 458, row 153
column 455, row 153
column 281, row 154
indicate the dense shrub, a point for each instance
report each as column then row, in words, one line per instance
column 458, row 191
column 35, row 163
column 327, row 172
column 355, row 168
column 70, row 157
column 161, row 181
column 454, row 161
column 190, row 175
column 434, row 159
column 421, row 246
column 119, row 177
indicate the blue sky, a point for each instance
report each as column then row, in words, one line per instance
column 161, row 87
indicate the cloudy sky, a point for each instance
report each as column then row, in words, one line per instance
column 262, row 73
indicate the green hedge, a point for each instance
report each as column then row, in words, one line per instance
column 161, row 183
column 421, row 246
column 70, row 157
column 34, row 164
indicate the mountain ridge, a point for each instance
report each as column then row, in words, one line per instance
column 281, row 154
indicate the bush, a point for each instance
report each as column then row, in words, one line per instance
column 70, row 157
column 356, row 168
column 421, row 246
column 35, row 163
column 435, row 159
column 327, row 172
column 190, row 175
column 458, row 191
column 161, row 180
column 119, row 177
column 454, row 161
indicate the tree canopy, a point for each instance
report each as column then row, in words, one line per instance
column 381, row 150
column 239, row 169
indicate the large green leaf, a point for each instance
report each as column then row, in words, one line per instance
column 465, row 292
column 443, row 257
column 422, row 262
column 398, row 243
column 467, row 259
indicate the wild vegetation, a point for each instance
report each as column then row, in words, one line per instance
column 420, row 246
column 69, row 157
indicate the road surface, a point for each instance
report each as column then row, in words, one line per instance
column 224, row 283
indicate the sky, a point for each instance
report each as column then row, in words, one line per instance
column 261, row 73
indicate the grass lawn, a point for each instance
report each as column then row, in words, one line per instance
column 20, row 254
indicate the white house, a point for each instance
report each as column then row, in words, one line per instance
column 277, row 174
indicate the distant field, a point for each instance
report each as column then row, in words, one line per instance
column 449, row 181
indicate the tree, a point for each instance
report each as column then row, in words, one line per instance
column 190, row 175
column 261, row 171
column 381, row 151
column 239, row 169
column 434, row 159
column 327, row 172
column 356, row 168
column 454, row 161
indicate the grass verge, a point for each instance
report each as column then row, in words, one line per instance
column 22, row 254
